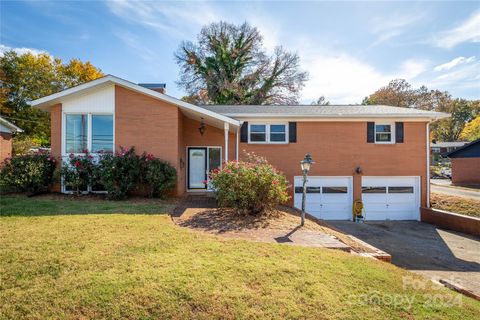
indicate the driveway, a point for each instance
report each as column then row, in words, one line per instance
column 423, row 248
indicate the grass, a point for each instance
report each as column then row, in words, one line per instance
column 62, row 204
column 144, row 267
column 454, row 204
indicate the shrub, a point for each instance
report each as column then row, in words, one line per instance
column 158, row 175
column 77, row 172
column 250, row 187
column 32, row 173
column 119, row 173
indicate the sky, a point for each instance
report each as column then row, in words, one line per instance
column 350, row 49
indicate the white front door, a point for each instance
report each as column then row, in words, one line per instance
column 197, row 168
column 328, row 198
column 391, row 198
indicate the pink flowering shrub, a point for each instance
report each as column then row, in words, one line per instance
column 253, row 186
column 31, row 173
column 77, row 172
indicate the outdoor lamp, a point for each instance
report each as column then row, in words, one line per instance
column 202, row 128
column 305, row 165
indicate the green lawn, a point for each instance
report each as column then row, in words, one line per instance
column 144, row 267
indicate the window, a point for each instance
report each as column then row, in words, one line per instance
column 277, row 133
column 102, row 133
column 267, row 133
column 258, row 133
column 92, row 132
column 334, row 190
column 76, row 133
column 383, row 133
column 374, row 189
column 400, row 189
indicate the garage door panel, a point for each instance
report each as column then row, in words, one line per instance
column 391, row 198
column 327, row 197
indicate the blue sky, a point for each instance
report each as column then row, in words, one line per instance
column 349, row 48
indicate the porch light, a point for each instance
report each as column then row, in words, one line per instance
column 202, row 127
column 305, row 165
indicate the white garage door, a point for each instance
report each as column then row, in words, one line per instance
column 328, row 198
column 391, row 198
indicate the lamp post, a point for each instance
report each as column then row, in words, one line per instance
column 305, row 165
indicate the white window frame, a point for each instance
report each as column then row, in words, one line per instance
column 392, row 132
column 267, row 132
column 89, row 142
column 89, row 130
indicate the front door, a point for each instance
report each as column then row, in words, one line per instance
column 197, row 168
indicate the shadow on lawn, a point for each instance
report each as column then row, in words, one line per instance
column 58, row 204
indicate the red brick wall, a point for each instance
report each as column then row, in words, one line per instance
column 465, row 170
column 148, row 124
column 56, row 136
column 213, row 137
column 451, row 221
column 5, row 146
column 339, row 147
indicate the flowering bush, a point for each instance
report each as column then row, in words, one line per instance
column 157, row 175
column 77, row 172
column 253, row 186
column 126, row 171
column 32, row 173
column 119, row 173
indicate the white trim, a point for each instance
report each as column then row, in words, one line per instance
column 392, row 132
column 428, row 164
column 338, row 117
column 89, row 130
column 10, row 126
column 47, row 101
column 237, row 143
column 267, row 132
column 208, row 164
column 225, row 128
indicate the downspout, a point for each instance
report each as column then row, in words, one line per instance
column 236, row 144
column 428, row 164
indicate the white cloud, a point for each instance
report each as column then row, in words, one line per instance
column 20, row 51
column 343, row 79
column 455, row 62
column 462, row 76
column 391, row 26
column 176, row 19
column 469, row 31
column 135, row 44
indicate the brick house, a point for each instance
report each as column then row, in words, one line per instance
column 466, row 164
column 7, row 130
column 379, row 154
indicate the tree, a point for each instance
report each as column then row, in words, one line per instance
column 471, row 131
column 228, row 65
column 321, row 101
column 28, row 77
column 401, row 94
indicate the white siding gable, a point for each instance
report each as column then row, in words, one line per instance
column 101, row 100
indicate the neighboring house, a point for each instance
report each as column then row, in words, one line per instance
column 440, row 148
column 466, row 164
column 7, row 130
column 376, row 153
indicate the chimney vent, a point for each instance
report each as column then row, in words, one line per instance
column 159, row 87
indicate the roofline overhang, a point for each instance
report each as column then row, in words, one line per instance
column 341, row 117
column 10, row 125
column 46, row 102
